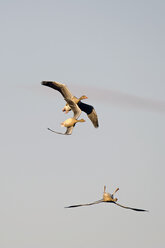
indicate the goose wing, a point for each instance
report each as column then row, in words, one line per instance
column 87, row 204
column 55, row 131
column 74, row 107
column 93, row 117
column 62, row 88
column 68, row 131
column 90, row 111
column 135, row 209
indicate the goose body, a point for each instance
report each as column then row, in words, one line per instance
column 107, row 198
column 69, row 123
column 88, row 109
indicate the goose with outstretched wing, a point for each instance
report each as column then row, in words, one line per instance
column 108, row 198
column 88, row 109
column 70, row 122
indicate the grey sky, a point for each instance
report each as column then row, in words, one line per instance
column 112, row 51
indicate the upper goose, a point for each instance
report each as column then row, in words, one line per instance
column 88, row 109
column 71, row 122
column 109, row 198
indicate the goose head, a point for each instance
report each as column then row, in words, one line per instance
column 83, row 97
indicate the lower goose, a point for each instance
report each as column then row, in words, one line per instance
column 108, row 198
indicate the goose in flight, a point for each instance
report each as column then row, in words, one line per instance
column 71, row 122
column 108, row 198
column 88, row 109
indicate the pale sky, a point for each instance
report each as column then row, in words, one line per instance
column 113, row 52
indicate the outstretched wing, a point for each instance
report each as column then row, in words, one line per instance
column 135, row 209
column 90, row 111
column 68, row 131
column 87, row 204
column 55, row 131
column 62, row 88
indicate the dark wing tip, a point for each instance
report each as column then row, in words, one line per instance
column 140, row 210
column 73, row 206
column 47, row 83
column 44, row 82
column 96, row 125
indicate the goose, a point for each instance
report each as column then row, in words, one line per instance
column 71, row 122
column 88, row 109
column 108, row 198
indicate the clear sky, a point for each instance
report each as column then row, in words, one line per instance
column 112, row 51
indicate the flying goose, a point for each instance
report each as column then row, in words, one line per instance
column 108, row 198
column 88, row 109
column 71, row 122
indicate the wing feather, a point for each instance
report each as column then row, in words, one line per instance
column 62, row 88
column 93, row 117
column 59, row 132
column 135, row 209
column 74, row 107
column 90, row 111
column 87, row 204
